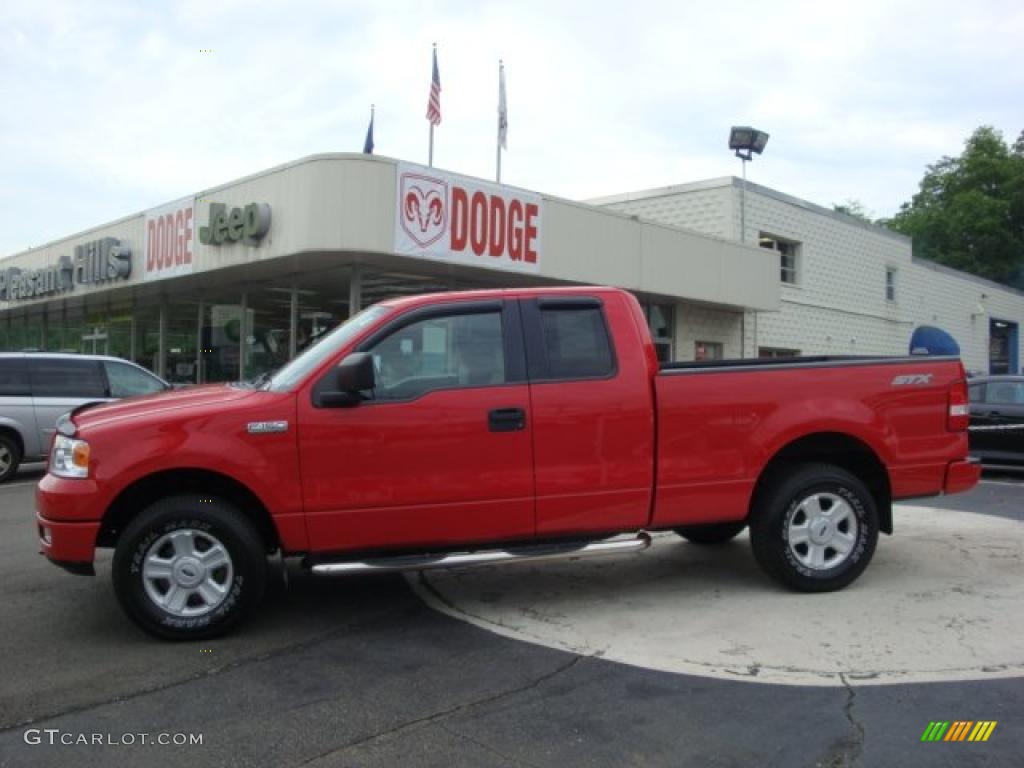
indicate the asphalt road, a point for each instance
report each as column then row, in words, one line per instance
column 360, row 672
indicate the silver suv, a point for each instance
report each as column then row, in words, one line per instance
column 36, row 388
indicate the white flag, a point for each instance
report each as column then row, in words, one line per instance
column 502, row 109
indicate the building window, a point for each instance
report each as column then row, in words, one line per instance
column 890, row 284
column 789, row 256
column 707, row 350
column 777, row 352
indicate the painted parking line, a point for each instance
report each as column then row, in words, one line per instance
column 940, row 602
column 1003, row 482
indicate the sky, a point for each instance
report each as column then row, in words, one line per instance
column 111, row 107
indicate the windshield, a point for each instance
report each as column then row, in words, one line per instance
column 312, row 358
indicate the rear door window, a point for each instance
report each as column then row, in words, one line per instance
column 575, row 342
column 67, row 377
column 13, row 377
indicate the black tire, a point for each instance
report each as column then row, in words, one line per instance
column 780, row 503
column 11, row 453
column 716, row 533
column 200, row 521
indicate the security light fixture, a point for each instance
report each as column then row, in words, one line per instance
column 745, row 141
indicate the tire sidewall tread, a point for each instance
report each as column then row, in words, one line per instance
column 777, row 503
column 214, row 516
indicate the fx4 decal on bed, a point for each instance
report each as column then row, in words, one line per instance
column 912, row 378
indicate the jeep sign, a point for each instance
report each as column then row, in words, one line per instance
column 247, row 225
column 456, row 219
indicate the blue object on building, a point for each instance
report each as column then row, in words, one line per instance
column 929, row 340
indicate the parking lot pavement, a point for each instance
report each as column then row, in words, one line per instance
column 361, row 672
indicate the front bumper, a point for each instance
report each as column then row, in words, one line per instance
column 72, row 546
column 962, row 476
column 68, row 522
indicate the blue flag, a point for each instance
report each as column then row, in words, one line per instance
column 368, row 144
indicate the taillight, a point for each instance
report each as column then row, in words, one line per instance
column 959, row 407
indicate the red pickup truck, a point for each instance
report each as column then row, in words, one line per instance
column 487, row 427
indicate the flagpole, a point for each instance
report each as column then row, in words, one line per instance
column 497, row 173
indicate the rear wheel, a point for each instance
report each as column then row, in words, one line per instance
column 716, row 533
column 10, row 458
column 814, row 528
column 189, row 568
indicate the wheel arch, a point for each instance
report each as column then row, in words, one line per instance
column 130, row 502
column 9, row 430
column 842, row 450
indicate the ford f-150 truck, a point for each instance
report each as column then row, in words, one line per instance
column 488, row 427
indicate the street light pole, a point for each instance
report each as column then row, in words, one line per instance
column 745, row 141
column 743, row 204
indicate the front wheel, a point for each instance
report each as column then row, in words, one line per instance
column 189, row 568
column 815, row 528
column 10, row 458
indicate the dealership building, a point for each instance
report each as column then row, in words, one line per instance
column 234, row 280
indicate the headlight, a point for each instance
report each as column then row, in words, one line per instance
column 69, row 457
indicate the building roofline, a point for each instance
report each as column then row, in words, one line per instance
column 733, row 181
column 977, row 279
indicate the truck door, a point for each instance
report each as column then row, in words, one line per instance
column 442, row 453
column 593, row 415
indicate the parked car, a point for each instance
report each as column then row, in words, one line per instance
column 38, row 387
column 488, row 427
column 998, row 401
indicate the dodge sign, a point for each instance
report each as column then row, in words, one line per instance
column 169, row 238
column 456, row 219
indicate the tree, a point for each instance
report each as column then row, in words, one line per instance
column 855, row 208
column 969, row 210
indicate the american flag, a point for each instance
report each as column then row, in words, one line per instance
column 434, row 104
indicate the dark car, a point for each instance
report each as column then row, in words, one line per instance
column 998, row 401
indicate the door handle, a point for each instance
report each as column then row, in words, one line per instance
column 506, row 420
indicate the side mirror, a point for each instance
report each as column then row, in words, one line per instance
column 354, row 374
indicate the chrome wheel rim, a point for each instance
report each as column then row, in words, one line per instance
column 187, row 572
column 822, row 531
column 5, row 459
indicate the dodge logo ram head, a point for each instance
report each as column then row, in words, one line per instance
column 424, row 208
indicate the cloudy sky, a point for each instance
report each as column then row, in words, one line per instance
column 111, row 107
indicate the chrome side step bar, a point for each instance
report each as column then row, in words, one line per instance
column 531, row 554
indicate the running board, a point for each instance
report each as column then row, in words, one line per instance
column 534, row 554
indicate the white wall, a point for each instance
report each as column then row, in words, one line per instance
column 839, row 304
